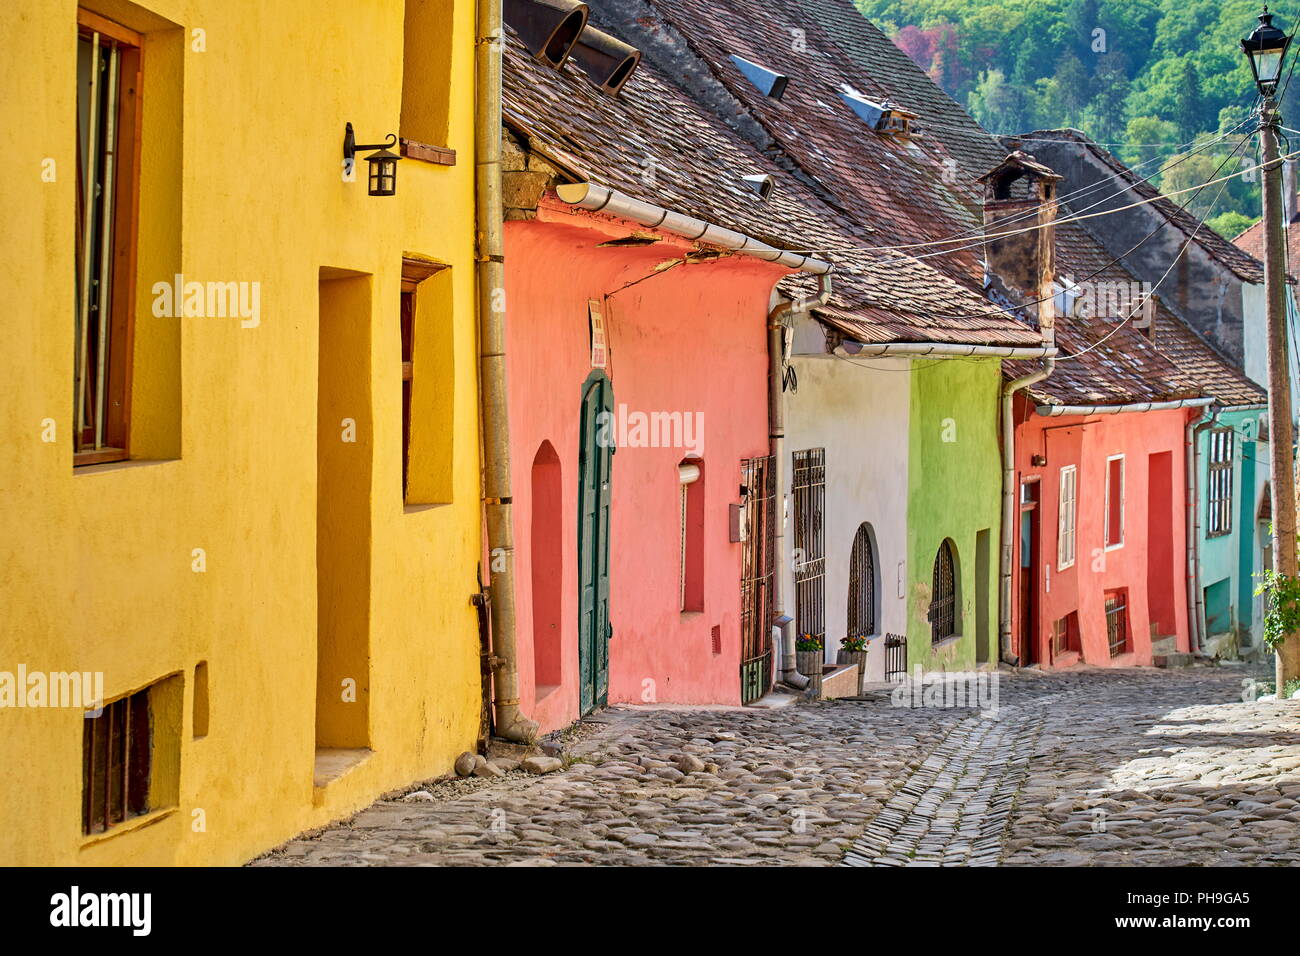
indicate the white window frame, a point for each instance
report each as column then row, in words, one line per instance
column 1123, row 481
column 1218, row 522
column 1067, row 519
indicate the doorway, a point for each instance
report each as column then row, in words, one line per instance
column 1029, row 547
column 595, row 461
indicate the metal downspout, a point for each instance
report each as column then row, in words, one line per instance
column 1195, row 598
column 488, row 44
column 1009, row 494
column 776, row 320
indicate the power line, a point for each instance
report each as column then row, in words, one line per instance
column 1186, row 243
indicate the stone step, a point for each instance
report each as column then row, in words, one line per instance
column 1176, row 659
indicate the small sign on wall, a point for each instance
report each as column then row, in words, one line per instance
column 599, row 346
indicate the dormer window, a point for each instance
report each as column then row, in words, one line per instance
column 884, row 118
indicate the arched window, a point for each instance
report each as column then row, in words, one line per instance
column 690, row 475
column 943, row 600
column 547, row 560
column 862, row 585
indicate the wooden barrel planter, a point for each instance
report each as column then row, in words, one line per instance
column 810, row 664
column 855, row 657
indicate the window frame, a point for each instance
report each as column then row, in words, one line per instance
column 127, row 785
column 1218, row 510
column 947, row 547
column 414, row 272
column 110, row 425
column 1072, row 512
column 1123, row 506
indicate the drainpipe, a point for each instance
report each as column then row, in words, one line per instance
column 510, row 723
column 776, row 320
column 1195, row 608
column 1009, row 490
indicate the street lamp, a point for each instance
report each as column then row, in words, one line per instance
column 1266, row 48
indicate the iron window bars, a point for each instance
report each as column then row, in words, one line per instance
column 1117, row 622
column 809, row 488
column 862, row 586
column 1220, row 483
column 116, row 752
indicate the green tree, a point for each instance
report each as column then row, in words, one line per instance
column 1189, row 110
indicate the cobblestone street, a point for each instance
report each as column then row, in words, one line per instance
column 1092, row 767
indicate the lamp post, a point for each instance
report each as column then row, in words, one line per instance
column 1266, row 49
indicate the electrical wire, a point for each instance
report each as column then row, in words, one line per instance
column 1182, row 249
column 977, row 232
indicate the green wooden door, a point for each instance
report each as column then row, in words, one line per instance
column 595, row 461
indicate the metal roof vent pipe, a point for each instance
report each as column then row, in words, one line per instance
column 769, row 82
column 549, row 28
column 607, row 61
column 761, row 183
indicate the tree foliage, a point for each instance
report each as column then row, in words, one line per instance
column 1145, row 75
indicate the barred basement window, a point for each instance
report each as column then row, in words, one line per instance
column 108, row 133
column 943, row 600
column 1065, row 634
column 1117, row 622
column 1220, row 484
column 116, row 756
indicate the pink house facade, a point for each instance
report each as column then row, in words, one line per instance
column 1100, row 544
column 685, row 368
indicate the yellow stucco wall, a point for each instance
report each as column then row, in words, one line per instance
column 240, row 182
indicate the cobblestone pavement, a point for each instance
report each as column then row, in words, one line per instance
column 1091, row 767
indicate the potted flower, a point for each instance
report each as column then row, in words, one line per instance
column 809, row 658
column 853, row 650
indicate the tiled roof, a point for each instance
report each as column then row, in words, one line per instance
column 943, row 119
column 1245, row 266
column 1252, row 243
column 1105, row 363
column 907, row 192
column 656, row 144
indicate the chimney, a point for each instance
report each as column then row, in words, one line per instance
column 1020, row 235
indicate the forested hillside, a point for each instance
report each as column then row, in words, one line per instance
column 1145, row 75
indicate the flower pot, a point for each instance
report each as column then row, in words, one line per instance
column 855, row 657
column 810, row 664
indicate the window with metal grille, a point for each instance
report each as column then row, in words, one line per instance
column 1114, row 501
column 1066, row 518
column 116, row 756
column 809, row 488
column 1117, row 622
column 758, row 567
column 1219, row 518
column 943, row 600
column 1065, row 634
column 108, row 133
column 862, row 585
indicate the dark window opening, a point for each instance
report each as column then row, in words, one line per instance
column 116, row 756
column 943, row 601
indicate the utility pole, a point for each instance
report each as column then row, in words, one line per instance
column 1266, row 50
column 1281, row 458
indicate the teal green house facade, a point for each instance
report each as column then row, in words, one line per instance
column 1232, row 534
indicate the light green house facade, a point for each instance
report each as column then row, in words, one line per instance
column 954, row 496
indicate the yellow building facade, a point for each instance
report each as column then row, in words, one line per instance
column 239, row 464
